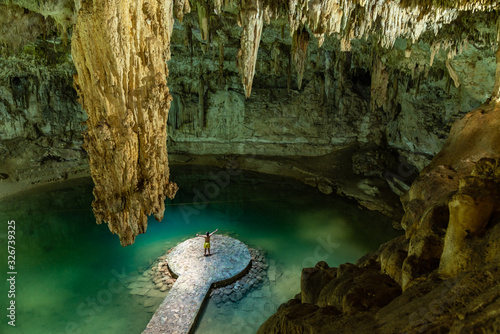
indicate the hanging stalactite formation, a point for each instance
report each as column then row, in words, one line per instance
column 299, row 53
column 385, row 21
column 251, row 20
column 120, row 49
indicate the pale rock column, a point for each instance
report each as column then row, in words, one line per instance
column 120, row 49
column 252, row 20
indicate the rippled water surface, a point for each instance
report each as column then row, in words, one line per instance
column 73, row 275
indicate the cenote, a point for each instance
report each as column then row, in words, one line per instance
column 72, row 274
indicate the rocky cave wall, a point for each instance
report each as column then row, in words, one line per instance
column 337, row 105
column 41, row 121
column 384, row 99
column 442, row 275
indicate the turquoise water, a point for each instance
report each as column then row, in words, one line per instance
column 72, row 274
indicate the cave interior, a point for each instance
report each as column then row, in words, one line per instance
column 389, row 105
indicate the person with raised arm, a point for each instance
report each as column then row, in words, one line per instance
column 206, row 245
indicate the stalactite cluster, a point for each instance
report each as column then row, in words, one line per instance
column 385, row 21
column 181, row 7
column 120, row 49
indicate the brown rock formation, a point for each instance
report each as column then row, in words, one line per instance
column 392, row 256
column 120, row 50
column 313, row 280
column 357, row 289
column 447, row 264
column 454, row 200
column 471, row 210
column 328, row 294
column 446, row 199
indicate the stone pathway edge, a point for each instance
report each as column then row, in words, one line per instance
column 217, row 285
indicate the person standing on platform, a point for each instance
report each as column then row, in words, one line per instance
column 206, row 245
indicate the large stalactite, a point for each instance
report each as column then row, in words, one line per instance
column 252, row 20
column 120, row 49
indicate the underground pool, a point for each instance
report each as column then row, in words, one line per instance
column 74, row 277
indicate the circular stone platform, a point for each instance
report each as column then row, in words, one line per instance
column 196, row 275
column 229, row 258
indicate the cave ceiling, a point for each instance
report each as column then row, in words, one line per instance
column 120, row 50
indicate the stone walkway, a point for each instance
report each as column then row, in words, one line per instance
column 197, row 273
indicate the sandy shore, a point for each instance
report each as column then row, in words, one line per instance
column 10, row 187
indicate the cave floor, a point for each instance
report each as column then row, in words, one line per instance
column 196, row 275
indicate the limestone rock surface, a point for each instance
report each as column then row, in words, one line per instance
column 371, row 74
column 394, row 97
column 120, row 50
column 313, row 280
column 447, row 263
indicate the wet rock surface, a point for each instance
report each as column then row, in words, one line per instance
column 401, row 97
column 252, row 281
column 442, row 275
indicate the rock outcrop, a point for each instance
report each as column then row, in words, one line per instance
column 454, row 198
column 449, row 253
column 449, row 275
column 446, row 265
column 120, row 51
